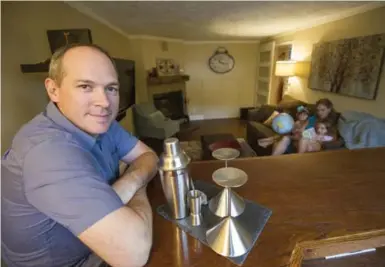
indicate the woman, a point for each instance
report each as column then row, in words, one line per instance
column 324, row 111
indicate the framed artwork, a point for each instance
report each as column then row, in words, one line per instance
column 59, row 38
column 350, row 67
column 166, row 67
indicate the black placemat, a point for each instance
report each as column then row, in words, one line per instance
column 253, row 219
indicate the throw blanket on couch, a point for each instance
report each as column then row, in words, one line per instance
column 361, row 130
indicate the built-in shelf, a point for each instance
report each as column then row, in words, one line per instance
column 264, row 64
column 264, row 79
column 167, row 79
column 263, row 93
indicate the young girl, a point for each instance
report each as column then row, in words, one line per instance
column 323, row 133
column 302, row 122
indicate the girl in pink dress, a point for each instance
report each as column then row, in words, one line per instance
column 323, row 133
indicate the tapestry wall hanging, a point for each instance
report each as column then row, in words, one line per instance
column 350, row 67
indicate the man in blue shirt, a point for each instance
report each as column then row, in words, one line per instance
column 63, row 202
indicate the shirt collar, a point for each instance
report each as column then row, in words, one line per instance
column 56, row 116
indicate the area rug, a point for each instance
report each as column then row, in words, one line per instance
column 194, row 148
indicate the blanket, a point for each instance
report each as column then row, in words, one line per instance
column 361, row 130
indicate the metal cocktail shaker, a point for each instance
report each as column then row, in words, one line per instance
column 173, row 170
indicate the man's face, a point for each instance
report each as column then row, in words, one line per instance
column 89, row 91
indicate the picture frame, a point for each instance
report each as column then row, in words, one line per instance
column 349, row 67
column 166, row 67
column 59, row 38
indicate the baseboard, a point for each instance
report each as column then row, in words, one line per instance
column 196, row 117
column 203, row 117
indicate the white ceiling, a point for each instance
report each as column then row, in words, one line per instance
column 208, row 21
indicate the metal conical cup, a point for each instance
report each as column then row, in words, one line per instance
column 219, row 205
column 229, row 238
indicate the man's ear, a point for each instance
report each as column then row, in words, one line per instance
column 52, row 89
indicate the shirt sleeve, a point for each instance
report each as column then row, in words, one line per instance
column 312, row 121
column 124, row 140
column 62, row 180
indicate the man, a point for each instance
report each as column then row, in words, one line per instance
column 60, row 196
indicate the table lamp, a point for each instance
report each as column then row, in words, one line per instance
column 283, row 69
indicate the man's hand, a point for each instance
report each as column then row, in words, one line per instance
column 126, row 186
column 143, row 167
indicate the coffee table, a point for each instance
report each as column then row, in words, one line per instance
column 224, row 140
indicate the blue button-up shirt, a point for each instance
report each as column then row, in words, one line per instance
column 55, row 184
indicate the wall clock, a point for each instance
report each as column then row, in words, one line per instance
column 221, row 61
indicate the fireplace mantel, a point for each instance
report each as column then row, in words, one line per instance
column 167, row 79
column 168, row 84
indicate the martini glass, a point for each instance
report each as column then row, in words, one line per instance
column 228, row 238
column 225, row 154
column 227, row 202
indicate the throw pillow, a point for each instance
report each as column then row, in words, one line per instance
column 269, row 120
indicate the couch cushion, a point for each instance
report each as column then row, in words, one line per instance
column 269, row 121
column 262, row 129
column 157, row 116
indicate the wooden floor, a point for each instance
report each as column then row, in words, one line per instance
column 195, row 129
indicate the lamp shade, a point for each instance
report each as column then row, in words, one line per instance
column 285, row 68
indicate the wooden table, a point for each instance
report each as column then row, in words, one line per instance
column 312, row 196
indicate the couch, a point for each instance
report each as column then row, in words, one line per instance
column 256, row 129
column 151, row 123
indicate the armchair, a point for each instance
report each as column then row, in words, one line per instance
column 151, row 123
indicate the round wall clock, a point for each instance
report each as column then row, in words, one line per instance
column 221, row 61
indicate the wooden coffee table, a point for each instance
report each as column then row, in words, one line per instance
column 314, row 198
column 207, row 140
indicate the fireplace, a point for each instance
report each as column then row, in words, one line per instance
column 171, row 104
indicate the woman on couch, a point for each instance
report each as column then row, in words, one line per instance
column 324, row 111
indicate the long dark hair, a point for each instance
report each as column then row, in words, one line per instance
column 333, row 115
column 326, row 102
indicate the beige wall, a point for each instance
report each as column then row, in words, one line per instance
column 24, row 40
column 372, row 22
column 214, row 95
column 152, row 49
column 146, row 53
column 210, row 95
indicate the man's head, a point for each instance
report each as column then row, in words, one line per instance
column 83, row 82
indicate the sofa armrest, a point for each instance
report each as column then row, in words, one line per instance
column 337, row 144
column 256, row 131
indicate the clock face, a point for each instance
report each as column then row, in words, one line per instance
column 221, row 62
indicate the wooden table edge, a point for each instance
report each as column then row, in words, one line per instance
column 306, row 250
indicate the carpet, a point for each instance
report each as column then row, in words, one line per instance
column 193, row 149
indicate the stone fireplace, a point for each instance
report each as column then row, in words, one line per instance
column 171, row 104
column 170, row 99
